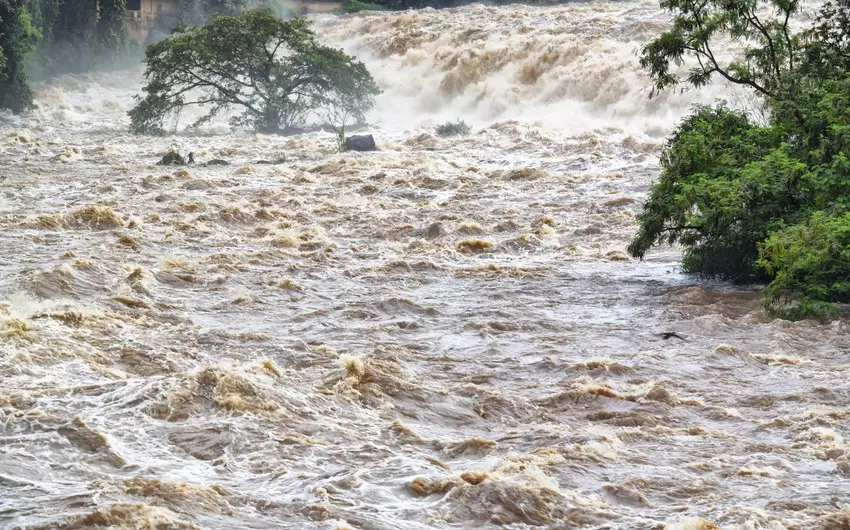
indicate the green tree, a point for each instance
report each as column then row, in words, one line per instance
column 346, row 96
column 17, row 39
column 706, row 192
column 758, row 202
column 44, row 15
column 78, row 35
column 273, row 70
column 826, row 48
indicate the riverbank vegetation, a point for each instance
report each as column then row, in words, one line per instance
column 758, row 200
column 18, row 37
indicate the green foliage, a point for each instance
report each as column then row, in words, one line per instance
column 768, row 46
column 750, row 202
column 112, row 28
column 347, row 92
column 826, row 49
column 44, row 15
column 354, row 6
column 810, row 261
column 273, row 70
column 453, row 128
column 17, row 39
column 78, row 36
column 74, row 44
column 41, row 38
column 721, row 185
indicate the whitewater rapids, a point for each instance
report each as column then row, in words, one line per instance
column 447, row 333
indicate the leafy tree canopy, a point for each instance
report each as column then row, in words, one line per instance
column 273, row 70
column 758, row 202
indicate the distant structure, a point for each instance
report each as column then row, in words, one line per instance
column 314, row 6
column 142, row 13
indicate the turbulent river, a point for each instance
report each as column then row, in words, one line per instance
column 446, row 333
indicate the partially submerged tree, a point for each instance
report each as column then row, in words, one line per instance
column 347, row 97
column 272, row 70
column 759, row 202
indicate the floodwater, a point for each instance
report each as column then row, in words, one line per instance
column 447, row 333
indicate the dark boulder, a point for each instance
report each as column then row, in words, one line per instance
column 172, row 158
column 217, row 162
column 363, row 142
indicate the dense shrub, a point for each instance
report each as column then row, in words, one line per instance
column 453, row 128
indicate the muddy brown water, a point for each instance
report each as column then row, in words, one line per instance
column 443, row 334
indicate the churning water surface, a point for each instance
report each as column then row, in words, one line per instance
column 446, row 333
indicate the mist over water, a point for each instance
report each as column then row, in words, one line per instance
column 573, row 68
column 447, row 333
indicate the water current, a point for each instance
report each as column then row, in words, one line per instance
column 446, row 333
